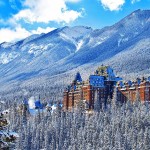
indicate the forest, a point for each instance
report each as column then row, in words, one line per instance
column 118, row 127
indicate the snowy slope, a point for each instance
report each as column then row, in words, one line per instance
column 28, row 57
column 109, row 41
column 125, row 46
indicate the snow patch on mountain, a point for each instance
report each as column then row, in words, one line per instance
column 38, row 49
column 99, row 41
column 122, row 40
column 79, row 45
column 5, row 58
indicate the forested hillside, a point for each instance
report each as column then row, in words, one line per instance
column 123, row 127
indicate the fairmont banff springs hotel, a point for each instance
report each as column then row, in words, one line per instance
column 100, row 87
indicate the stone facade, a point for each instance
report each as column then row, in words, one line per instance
column 140, row 89
column 99, row 86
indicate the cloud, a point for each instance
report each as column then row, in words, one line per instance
column 13, row 4
column 112, row 5
column 36, row 11
column 134, row 1
column 12, row 35
column 44, row 11
column 9, row 35
column 42, row 30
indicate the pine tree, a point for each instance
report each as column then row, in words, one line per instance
column 146, row 144
column 7, row 138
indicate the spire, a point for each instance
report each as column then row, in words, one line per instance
column 78, row 77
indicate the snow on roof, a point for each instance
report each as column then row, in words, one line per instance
column 132, row 88
column 123, row 89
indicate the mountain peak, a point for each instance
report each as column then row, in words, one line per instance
column 140, row 14
column 76, row 29
column 5, row 44
column 75, row 32
column 141, row 11
column 135, row 20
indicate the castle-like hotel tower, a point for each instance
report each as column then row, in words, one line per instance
column 100, row 87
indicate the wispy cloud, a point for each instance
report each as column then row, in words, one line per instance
column 13, row 4
column 112, row 5
column 134, row 1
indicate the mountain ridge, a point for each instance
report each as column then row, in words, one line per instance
column 68, row 48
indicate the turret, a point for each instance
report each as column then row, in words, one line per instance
column 77, row 78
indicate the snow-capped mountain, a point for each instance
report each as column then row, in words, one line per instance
column 125, row 46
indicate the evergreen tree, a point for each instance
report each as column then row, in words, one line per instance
column 7, row 138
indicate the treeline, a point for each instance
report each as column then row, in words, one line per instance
column 119, row 127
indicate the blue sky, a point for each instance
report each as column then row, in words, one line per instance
column 22, row 18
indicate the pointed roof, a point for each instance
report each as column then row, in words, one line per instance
column 78, row 77
column 38, row 104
